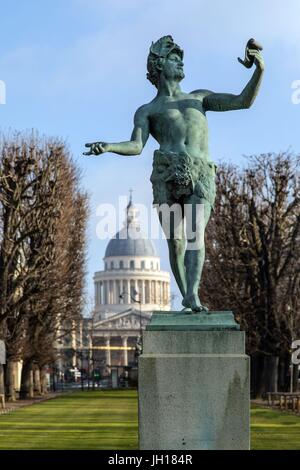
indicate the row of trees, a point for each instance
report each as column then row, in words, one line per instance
column 43, row 214
column 252, row 267
column 253, row 261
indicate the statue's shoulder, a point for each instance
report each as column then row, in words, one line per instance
column 144, row 110
column 201, row 94
column 142, row 114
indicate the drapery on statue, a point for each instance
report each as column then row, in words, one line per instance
column 183, row 172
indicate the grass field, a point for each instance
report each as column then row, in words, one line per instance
column 273, row 430
column 108, row 420
column 80, row 420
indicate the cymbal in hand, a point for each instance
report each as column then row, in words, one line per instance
column 248, row 61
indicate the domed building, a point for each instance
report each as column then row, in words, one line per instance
column 127, row 291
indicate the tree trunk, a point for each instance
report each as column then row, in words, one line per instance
column 295, row 378
column 270, row 381
column 10, row 379
column 2, row 388
column 44, row 384
column 256, row 372
column 284, row 374
column 267, row 376
column 27, row 381
column 37, row 381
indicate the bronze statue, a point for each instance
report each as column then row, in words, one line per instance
column 183, row 172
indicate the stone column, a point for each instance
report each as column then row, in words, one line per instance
column 136, row 288
column 121, row 291
column 114, row 299
column 127, row 295
column 143, row 292
column 124, row 342
column 100, row 293
column 112, row 291
column 159, row 293
column 104, row 293
column 108, row 292
column 107, row 351
column 118, row 291
column 156, row 292
column 130, row 284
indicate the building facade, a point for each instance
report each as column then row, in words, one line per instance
column 127, row 291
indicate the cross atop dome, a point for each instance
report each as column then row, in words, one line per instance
column 132, row 214
column 130, row 197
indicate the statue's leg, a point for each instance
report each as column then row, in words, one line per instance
column 176, row 256
column 173, row 228
column 198, row 216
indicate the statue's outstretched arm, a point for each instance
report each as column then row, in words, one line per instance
column 134, row 146
column 228, row 102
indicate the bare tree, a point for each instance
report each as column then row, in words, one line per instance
column 42, row 234
column 253, row 259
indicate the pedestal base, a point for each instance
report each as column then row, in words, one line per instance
column 193, row 389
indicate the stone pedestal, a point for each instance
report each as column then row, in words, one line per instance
column 193, row 383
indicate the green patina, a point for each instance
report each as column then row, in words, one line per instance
column 183, row 172
column 174, row 321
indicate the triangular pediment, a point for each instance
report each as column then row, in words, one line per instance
column 129, row 319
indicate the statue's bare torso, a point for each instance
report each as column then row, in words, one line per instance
column 179, row 124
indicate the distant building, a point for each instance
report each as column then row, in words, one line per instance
column 127, row 291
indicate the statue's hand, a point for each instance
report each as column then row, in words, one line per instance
column 258, row 58
column 96, row 148
column 253, row 55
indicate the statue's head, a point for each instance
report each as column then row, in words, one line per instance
column 165, row 57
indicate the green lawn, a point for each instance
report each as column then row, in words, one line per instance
column 108, row 420
column 273, row 430
column 80, row 420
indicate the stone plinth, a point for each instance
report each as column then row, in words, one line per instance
column 193, row 383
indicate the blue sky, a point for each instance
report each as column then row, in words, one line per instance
column 76, row 69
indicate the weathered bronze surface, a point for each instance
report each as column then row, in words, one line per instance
column 183, row 172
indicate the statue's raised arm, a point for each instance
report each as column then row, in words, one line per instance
column 229, row 102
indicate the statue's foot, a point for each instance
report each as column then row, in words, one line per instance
column 193, row 302
column 187, row 310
